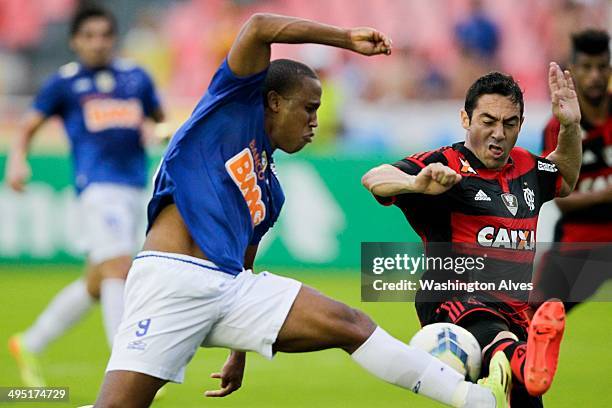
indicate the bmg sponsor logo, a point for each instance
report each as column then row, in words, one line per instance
column 107, row 113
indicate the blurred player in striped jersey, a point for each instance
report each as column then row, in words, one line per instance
column 570, row 271
column 102, row 102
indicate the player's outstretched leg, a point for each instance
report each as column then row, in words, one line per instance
column 112, row 274
column 67, row 308
column 534, row 362
column 543, row 343
column 316, row 322
column 27, row 362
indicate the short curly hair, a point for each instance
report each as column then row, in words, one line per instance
column 284, row 75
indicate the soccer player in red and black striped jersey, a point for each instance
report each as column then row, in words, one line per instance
column 486, row 193
column 586, row 214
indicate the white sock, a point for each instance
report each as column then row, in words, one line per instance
column 414, row 369
column 67, row 308
column 111, row 299
column 479, row 397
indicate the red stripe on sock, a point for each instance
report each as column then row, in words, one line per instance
column 502, row 346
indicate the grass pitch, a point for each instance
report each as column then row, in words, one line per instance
column 321, row 379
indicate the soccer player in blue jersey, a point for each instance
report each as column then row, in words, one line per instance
column 216, row 194
column 102, row 102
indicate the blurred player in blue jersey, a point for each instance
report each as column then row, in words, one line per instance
column 103, row 102
column 216, row 194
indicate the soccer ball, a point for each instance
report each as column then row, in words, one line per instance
column 453, row 345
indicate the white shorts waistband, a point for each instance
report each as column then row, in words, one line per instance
column 170, row 256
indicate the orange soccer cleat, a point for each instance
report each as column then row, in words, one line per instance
column 543, row 342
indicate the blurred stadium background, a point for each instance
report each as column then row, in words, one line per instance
column 373, row 111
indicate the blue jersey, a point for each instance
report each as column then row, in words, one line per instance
column 219, row 171
column 102, row 110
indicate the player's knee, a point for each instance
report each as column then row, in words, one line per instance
column 502, row 335
column 485, row 327
column 357, row 328
column 116, row 268
column 505, row 335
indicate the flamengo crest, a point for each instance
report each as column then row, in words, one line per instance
column 529, row 197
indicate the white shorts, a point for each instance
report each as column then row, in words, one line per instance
column 176, row 303
column 113, row 216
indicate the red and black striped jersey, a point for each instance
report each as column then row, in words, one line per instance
column 489, row 208
column 493, row 212
column 593, row 223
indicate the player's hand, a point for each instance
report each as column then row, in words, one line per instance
column 18, row 172
column 368, row 41
column 563, row 94
column 163, row 132
column 231, row 375
column 435, row 179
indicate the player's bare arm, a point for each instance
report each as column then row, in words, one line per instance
column 387, row 180
column 233, row 370
column 18, row 170
column 250, row 52
column 578, row 200
column 162, row 130
column 568, row 154
column 249, row 256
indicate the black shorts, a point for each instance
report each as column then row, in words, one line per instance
column 463, row 309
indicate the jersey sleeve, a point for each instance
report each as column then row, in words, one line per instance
column 150, row 98
column 549, row 178
column 226, row 84
column 412, row 165
column 49, row 99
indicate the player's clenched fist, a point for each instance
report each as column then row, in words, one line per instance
column 434, row 179
column 387, row 180
column 368, row 41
